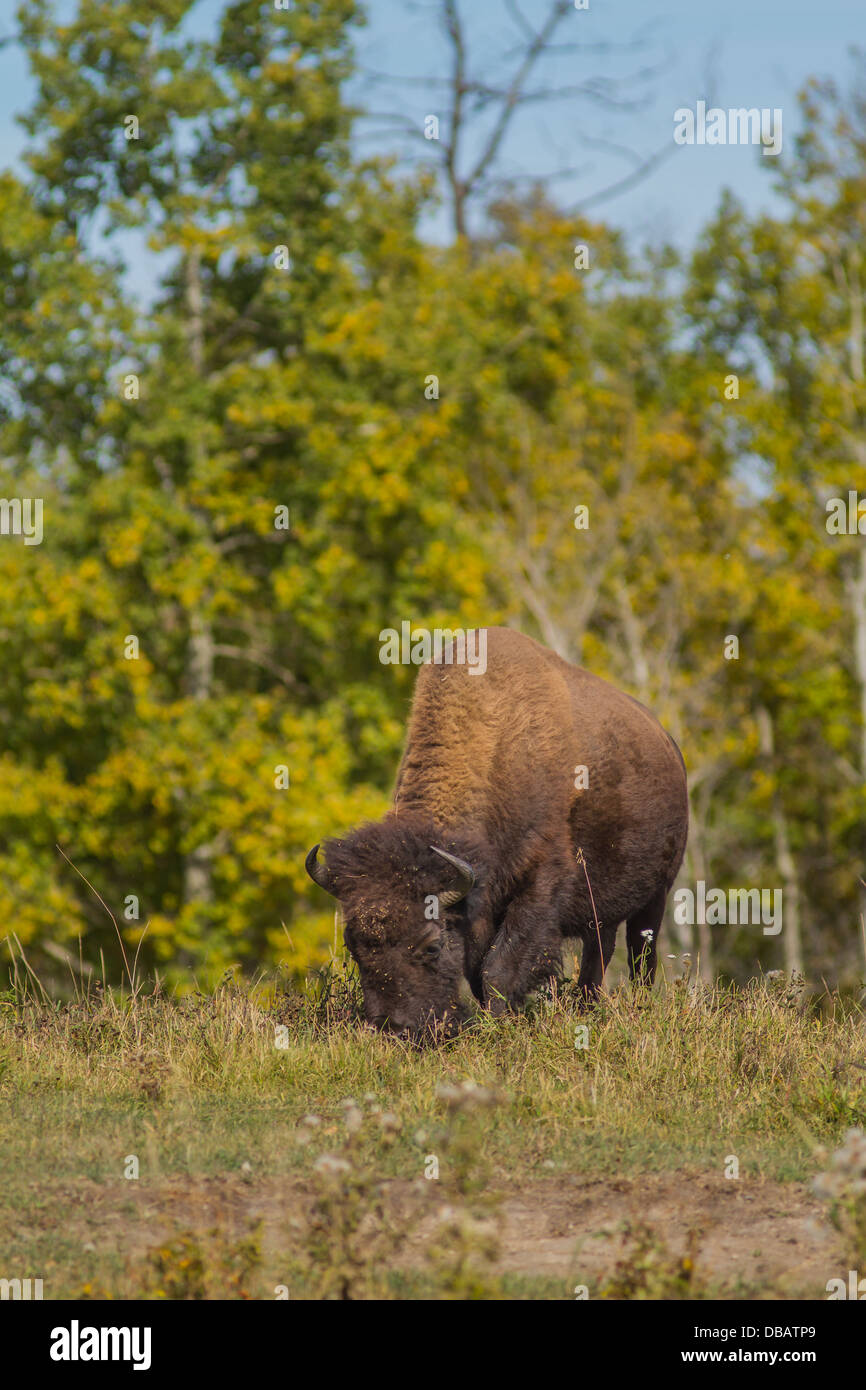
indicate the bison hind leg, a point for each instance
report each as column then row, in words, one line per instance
column 642, row 933
column 598, row 946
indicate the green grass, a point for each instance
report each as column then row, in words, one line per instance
column 196, row 1088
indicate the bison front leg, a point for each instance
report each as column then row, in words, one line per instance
column 526, row 951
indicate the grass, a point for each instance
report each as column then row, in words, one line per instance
column 279, row 1144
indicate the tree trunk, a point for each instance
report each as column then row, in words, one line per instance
column 198, row 864
column 702, row 940
column 857, row 596
column 857, row 586
column 792, row 940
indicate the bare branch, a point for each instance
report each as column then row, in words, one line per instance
column 480, row 107
column 631, row 179
column 459, row 189
column 557, row 12
column 519, row 19
column 256, row 658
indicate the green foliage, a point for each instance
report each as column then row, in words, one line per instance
column 258, row 388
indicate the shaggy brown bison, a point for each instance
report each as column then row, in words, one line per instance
column 511, row 781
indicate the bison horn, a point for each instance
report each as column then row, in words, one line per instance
column 467, row 876
column 318, row 873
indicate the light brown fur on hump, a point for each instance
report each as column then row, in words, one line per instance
column 470, row 734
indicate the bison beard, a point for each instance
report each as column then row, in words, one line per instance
column 476, row 874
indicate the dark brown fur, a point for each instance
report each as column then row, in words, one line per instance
column 488, row 774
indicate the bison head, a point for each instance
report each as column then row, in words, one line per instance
column 397, row 892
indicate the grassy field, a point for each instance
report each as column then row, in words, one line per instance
column 258, row 1143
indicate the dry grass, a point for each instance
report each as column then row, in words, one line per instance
column 215, row 1090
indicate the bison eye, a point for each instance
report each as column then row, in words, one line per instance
column 430, row 951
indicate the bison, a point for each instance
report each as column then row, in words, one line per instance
column 533, row 802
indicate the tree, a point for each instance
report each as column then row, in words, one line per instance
column 782, row 300
column 233, row 513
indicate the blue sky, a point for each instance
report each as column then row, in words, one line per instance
column 759, row 53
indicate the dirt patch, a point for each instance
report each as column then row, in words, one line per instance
column 763, row 1235
column 759, row 1232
